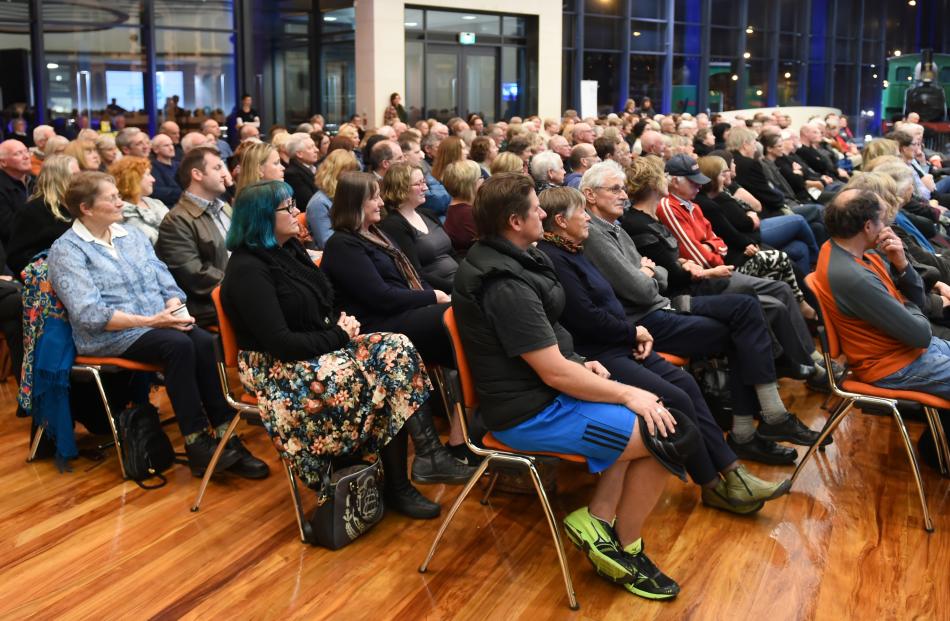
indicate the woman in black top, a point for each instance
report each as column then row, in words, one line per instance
column 596, row 319
column 376, row 282
column 417, row 232
column 324, row 389
column 44, row 217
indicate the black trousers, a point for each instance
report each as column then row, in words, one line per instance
column 424, row 328
column 723, row 324
column 678, row 390
column 191, row 375
column 11, row 323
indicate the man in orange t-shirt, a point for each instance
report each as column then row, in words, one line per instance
column 873, row 297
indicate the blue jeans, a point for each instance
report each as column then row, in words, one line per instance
column 943, row 186
column 793, row 235
column 930, row 373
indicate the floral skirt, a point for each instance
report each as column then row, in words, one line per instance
column 351, row 401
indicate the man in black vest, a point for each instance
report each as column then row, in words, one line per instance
column 536, row 394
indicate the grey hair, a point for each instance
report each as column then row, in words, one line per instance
column 900, row 173
column 124, row 138
column 598, row 173
column 738, row 136
column 296, row 143
column 543, row 163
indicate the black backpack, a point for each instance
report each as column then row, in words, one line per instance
column 146, row 449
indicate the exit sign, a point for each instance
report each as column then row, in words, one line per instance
column 467, row 38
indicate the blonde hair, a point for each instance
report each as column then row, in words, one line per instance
column 645, row 175
column 881, row 184
column 52, row 183
column 397, row 183
column 450, row 150
column 879, row 147
column 250, row 161
column 507, row 162
column 78, row 149
column 460, row 179
column 334, row 165
column 712, row 166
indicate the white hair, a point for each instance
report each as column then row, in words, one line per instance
column 543, row 163
column 193, row 140
column 297, row 142
column 41, row 131
column 600, row 172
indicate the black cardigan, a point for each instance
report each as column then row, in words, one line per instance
column 404, row 235
column 34, row 230
column 280, row 303
column 367, row 282
column 751, row 176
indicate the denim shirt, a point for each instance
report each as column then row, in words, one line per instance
column 318, row 218
column 93, row 285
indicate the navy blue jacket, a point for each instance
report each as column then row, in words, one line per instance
column 166, row 187
column 592, row 314
column 367, row 282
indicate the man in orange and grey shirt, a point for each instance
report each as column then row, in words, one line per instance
column 873, row 297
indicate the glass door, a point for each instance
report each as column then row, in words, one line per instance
column 480, row 82
column 442, row 81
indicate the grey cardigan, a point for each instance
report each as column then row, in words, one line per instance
column 612, row 252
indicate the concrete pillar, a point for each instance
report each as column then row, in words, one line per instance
column 380, row 56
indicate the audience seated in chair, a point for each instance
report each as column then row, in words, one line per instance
column 413, row 229
column 375, row 281
column 16, row 184
column 318, row 210
column 123, row 302
column 874, row 297
column 303, row 155
column 165, row 170
column 309, row 365
column 601, row 331
column 191, row 237
column 728, row 324
column 535, row 396
column 462, row 181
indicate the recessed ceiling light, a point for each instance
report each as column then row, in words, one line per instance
column 412, row 24
column 329, row 18
column 874, row 75
column 749, row 30
column 735, row 78
column 747, row 55
column 897, row 52
column 787, row 75
column 636, row 33
column 469, row 18
column 758, row 93
column 52, row 66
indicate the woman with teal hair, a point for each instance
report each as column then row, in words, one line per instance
column 324, row 389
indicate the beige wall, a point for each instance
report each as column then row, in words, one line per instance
column 381, row 49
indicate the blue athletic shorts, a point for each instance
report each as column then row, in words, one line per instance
column 598, row 431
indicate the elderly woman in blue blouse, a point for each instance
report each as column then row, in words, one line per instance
column 122, row 301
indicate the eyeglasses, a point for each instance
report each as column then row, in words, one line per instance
column 613, row 189
column 420, row 184
column 289, row 207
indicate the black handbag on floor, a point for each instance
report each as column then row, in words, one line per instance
column 146, row 449
column 355, row 505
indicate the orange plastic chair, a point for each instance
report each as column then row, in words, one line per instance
column 94, row 366
column 495, row 451
column 226, row 350
column 677, row 361
column 852, row 392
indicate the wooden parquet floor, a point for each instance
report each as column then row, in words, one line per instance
column 847, row 543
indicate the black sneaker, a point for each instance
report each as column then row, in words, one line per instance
column 463, row 454
column 791, row 430
column 649, row 581
column 199, row 455
column 763, row 451
column 248, row 466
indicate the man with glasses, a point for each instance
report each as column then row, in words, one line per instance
column 191, row 237
column 707, row 325
column 583, row 156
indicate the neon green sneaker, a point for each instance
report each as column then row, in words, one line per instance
column 649, row 582
column 597, row 538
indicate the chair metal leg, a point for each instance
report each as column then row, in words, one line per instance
column 439, row 374
column 209, row 471
column 933, row 420
column 105, row 405
column 556, row 534
column 490, row 488
column 35, row 445
column 836, row 417
column 940, row 438
column 915, row 467
column 302, row 525
column 455, row 507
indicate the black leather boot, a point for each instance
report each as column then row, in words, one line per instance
column 398, row 493
column 433, row 462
